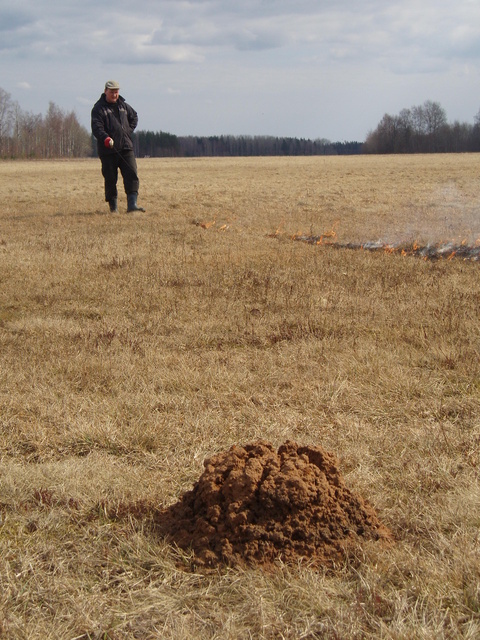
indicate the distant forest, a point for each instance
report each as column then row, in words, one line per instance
column 29, row 135
column 420, row 129
column 159, row 144
column 58, row 134
column 423, row 129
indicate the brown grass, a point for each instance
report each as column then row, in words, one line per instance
column 134, row 346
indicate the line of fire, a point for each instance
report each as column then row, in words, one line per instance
column 435, row 251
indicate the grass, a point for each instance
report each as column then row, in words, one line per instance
column 134, row 347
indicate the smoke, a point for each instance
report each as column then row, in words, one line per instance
column 452, row 216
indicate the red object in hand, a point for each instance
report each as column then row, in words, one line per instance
column 108, row 143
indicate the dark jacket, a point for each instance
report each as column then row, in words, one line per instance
column 117, row 121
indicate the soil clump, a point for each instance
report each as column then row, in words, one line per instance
column 253, row 505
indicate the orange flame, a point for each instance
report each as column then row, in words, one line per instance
column 277, row 231
column 207, row 225
column 328, row 235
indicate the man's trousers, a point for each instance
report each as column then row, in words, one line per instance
column 126, row 162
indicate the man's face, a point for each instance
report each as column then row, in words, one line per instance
column 112, row 95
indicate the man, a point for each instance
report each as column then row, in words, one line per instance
column 113, row 123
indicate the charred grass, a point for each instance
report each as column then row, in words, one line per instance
column 133, row 347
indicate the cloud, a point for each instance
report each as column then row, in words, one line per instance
column 166, row 32
column 301, row 61
column 12, row 19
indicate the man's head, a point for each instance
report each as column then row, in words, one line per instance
column 112, row 89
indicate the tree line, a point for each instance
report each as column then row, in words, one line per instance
column 423, row 129
column 161, row 144
column 58, row 134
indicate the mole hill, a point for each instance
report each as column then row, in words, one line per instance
column 254, row 505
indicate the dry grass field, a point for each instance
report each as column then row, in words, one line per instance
column 133, row 347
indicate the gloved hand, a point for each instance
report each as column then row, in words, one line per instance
column 108, row 143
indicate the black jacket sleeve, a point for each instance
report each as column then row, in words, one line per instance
column 132, row 117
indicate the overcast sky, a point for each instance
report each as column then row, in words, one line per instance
column 303, row 68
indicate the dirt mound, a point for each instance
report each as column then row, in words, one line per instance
column 253, row 505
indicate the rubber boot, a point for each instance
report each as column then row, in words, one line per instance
column 113, row 204
column 132, row 203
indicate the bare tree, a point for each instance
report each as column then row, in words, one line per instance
column 7, row 109
column 423, row 129
column 28, row 135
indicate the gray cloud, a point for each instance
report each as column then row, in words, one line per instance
column 167, row 31
column 301, row 54
column 12, row 19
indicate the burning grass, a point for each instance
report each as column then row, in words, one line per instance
column 437, row 251
column 133, row 348
column 432, row 251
